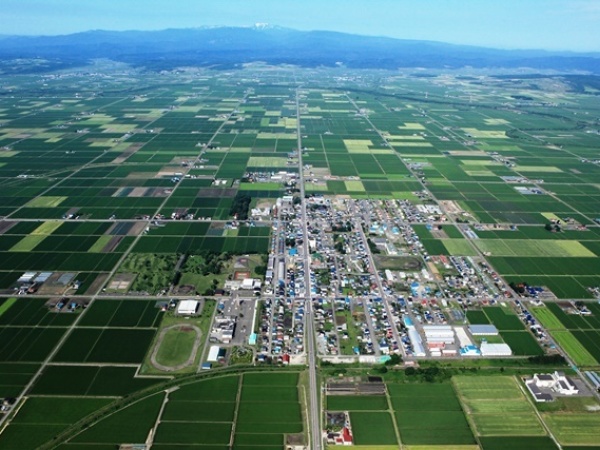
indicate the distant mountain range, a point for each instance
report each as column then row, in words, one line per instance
column 227, row 47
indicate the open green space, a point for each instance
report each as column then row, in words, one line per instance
column 548, row 320
column 357, row 403
column 372, row 428
column 573, row 428
column 131, row 424
column 497, row 406
column 574, row 348
column 39, row 419
column 177, row 346
column 429, row 415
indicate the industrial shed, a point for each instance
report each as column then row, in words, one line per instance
column 213, row 353
column 483, row 330
column 188, row 307
column 495, row 349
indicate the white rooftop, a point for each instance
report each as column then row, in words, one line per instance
column 187, row 307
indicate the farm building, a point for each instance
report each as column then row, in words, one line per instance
column 188, row 307
column 437, row 337
column 488, row 349
column 483, row 330
column 416, row 341
column 462, row 336
column 213, row 353
column 439, row 333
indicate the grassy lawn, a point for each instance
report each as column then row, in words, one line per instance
column 176, row 347
column 347, row 345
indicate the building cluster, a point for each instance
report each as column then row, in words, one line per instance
column 543, row 387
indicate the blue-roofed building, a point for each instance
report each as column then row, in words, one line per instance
column 470, row 350
column 252, row 339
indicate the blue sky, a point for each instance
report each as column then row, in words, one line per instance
column 547, row 24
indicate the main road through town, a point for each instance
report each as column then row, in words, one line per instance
column 309, row 335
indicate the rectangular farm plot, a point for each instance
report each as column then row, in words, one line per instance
column 357, row 403
column 130, row 424
column 122, row 313
column 547, row 318
column 273, row 412
column 504, row 318
column 271, row 379
column 90, row 380
column 105, row 345
column 222, row 389
column 430, row 414
column 498, row 407
column 198, row 411
column 574, row 428
column 518, row 443
column 576, row 350
column 32, row 312
column 522, row 343
column 533, row 247
column 14, row 377
column 197, row 433
column 266, row 394
column 32, row 240
column 373, row 428
column 45, row 202
column 27, row 343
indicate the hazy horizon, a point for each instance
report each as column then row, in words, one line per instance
column 556, row 25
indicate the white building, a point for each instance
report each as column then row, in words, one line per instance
column 213, row 353
column 483, row 330
column 557, row 381
column 488, row 349
column 187, row 307
column 463, row 337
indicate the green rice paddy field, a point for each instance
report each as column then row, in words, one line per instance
column 197, row 413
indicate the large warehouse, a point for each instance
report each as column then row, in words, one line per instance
column 495, row 349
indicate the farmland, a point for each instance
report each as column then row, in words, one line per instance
column 498, row 407
column 576, row 334
column 124, row 194
column 511, row 329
